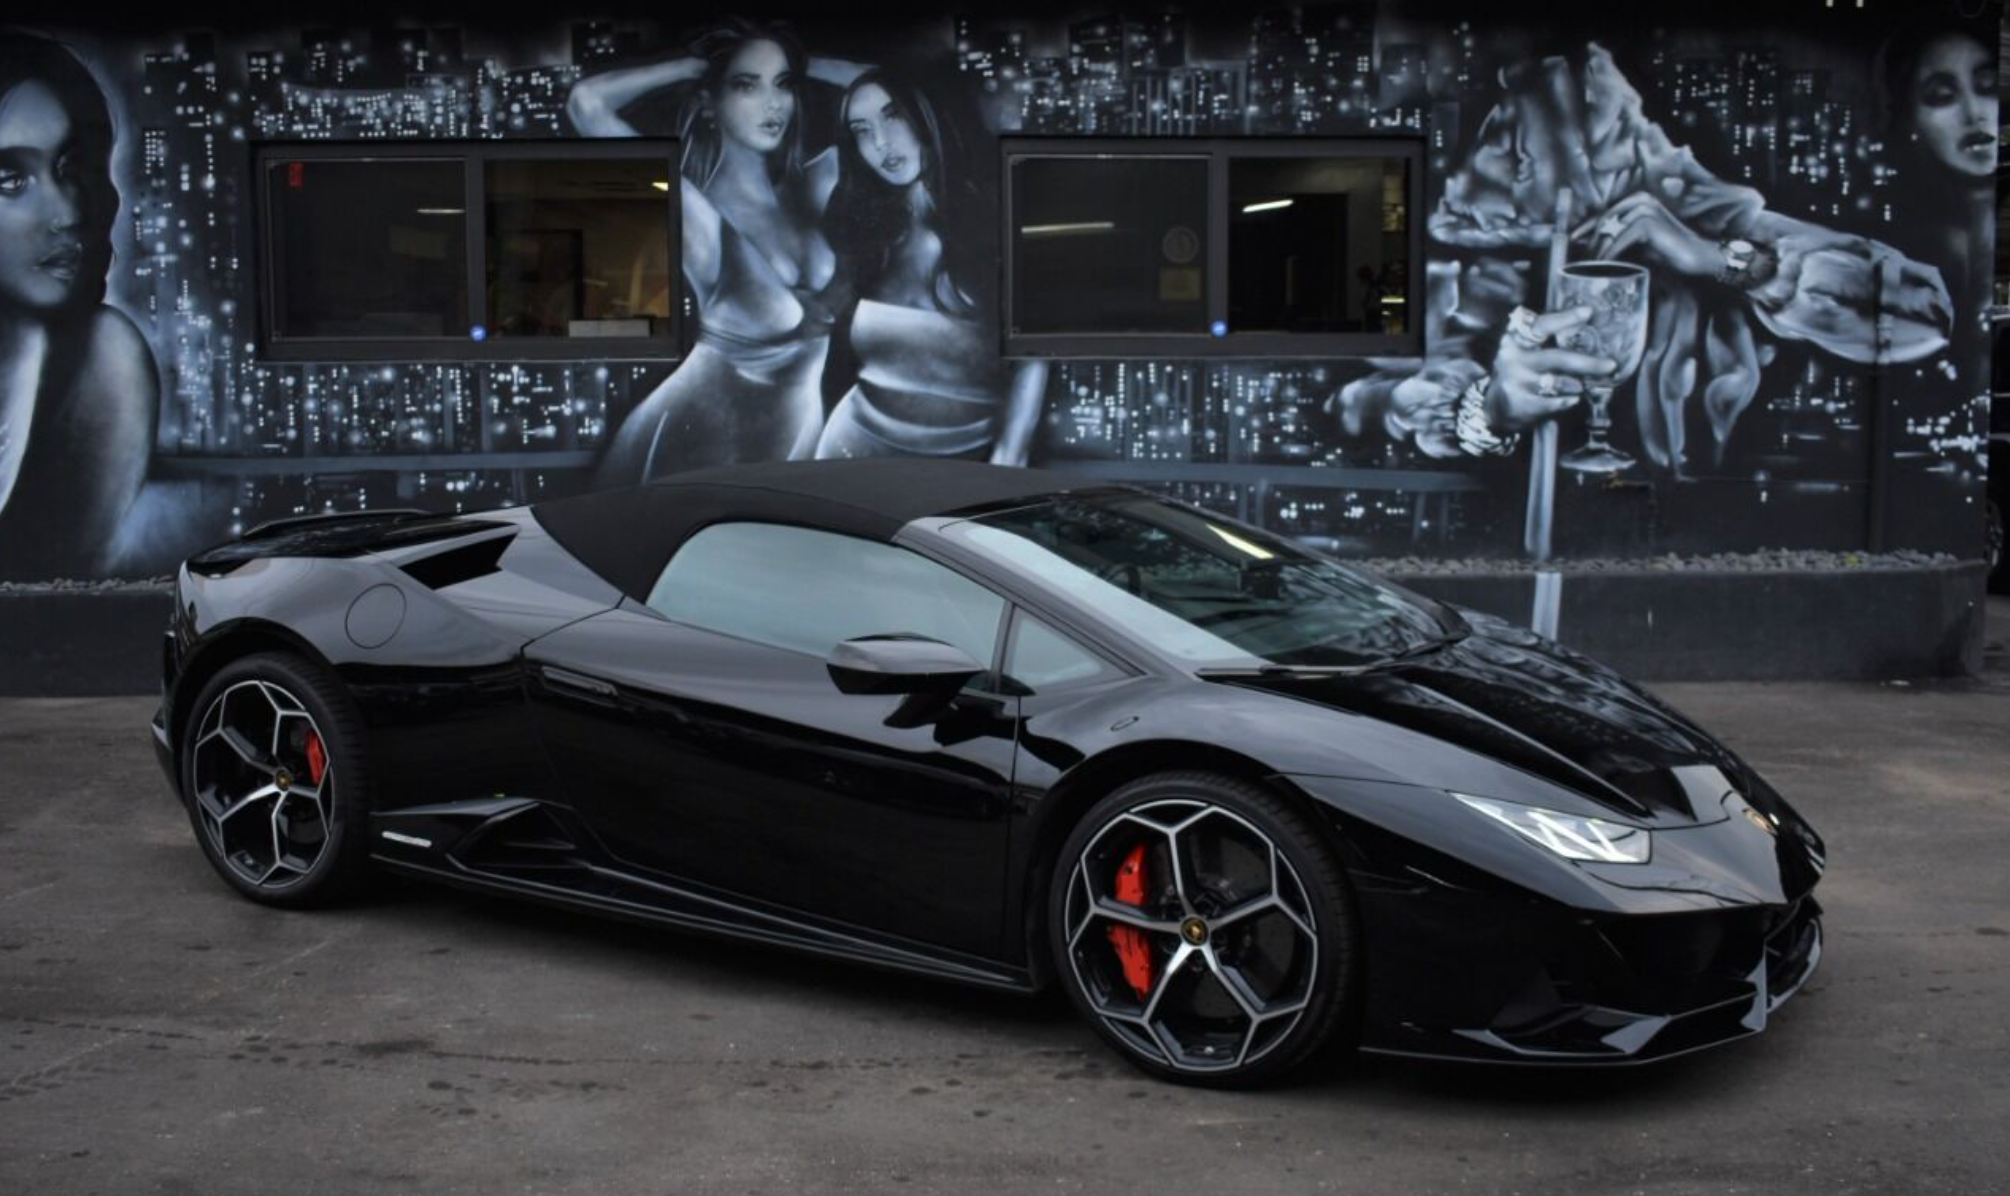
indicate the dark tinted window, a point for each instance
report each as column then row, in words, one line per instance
column 577, row 247
column 1212, row 247
column 368, row 248
column 1109, row 245
column 1318, row 244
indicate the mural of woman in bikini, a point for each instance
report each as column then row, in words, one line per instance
column 909, row 226
column 78, row 387
column 762, row 274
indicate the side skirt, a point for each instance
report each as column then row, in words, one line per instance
column 522, row 847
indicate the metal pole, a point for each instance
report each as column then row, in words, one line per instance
column 1548, row 598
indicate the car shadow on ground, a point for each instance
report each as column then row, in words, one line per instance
column 1042, row 1022
column 1560, row 1089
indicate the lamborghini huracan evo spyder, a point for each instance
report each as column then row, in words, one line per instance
column 1002, row 726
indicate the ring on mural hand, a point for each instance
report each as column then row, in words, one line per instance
column 1611, row 226
column 1521, row 326
column 1546, row 386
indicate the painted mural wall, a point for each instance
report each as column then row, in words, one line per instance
column 839, row 188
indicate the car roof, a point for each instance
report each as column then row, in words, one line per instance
column 627, row 535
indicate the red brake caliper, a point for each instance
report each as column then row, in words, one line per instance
column 1133, row 952
column 317, row 759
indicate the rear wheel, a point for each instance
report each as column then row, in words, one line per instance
column 1204, row 928
column 273, row 775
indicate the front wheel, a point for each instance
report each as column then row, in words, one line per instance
column 273, row 773
column 1205, row 929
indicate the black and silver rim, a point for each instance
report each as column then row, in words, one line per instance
column 264, row 784
column 1191, row 936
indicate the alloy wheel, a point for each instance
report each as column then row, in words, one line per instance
column 264, row 784
column 1191, row 936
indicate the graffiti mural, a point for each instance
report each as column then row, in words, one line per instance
column 1703, row 285
column 762, row 272
column 77, row 380
column 907, row 219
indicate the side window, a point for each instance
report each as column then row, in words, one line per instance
column 808, row 591
column 1041, row 658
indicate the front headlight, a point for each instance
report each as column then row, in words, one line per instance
column 1569, row 835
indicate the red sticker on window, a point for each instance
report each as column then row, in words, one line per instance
column 296, row 174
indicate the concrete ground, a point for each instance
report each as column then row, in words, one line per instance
column 158, row 1034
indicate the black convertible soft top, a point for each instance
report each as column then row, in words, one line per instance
column 628, row 535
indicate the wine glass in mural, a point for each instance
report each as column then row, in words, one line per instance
column 1616, row 293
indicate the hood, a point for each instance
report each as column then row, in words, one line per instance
column 1528, row 703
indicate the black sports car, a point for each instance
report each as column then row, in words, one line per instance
column 1001, row 726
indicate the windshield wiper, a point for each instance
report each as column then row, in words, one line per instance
column 1426, row 646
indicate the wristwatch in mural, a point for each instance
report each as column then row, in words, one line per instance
column 1746, row 264
column 1474, row 435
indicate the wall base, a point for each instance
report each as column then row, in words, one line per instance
column 1866, row 624
column 63, row 642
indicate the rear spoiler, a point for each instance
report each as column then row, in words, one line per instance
column 275, row 527
column 338, row 534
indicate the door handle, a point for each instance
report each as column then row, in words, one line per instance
column 568, row 679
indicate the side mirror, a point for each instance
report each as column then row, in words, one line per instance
column 900, row 664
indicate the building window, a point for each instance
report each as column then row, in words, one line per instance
column 1109, row 245
column 1318, row 245
column 437, row 251
column 1212, row 248
column 373, row 250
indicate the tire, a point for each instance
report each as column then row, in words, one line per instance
column 1210, row 972
column 282, row 829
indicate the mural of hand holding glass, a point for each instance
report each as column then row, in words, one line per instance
column 1616, row 294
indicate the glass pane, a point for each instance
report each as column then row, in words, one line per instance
column 810, row 591
column 1043, row 659
column 1201, row 587
column 1318, row 245
column 1109, row 245
column 369, row 248
column 578, row 247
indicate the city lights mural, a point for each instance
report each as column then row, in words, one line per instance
column 1779, row 236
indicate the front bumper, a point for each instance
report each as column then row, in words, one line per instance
column 1636, row 991
column 1476, row 945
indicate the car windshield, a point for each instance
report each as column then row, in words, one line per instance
column 1207, row 590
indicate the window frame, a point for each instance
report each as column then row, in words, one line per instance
column 1220, row 153
column 474, row 157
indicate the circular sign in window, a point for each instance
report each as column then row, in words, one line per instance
column 1180, row 244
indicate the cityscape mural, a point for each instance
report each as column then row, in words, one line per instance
column 1809, row 205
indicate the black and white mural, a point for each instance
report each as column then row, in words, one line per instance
column 1697, row 279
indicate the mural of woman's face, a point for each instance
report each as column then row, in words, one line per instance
column 42, row 202
column 1953, row 104
column 883, row 135
column 757, row 96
